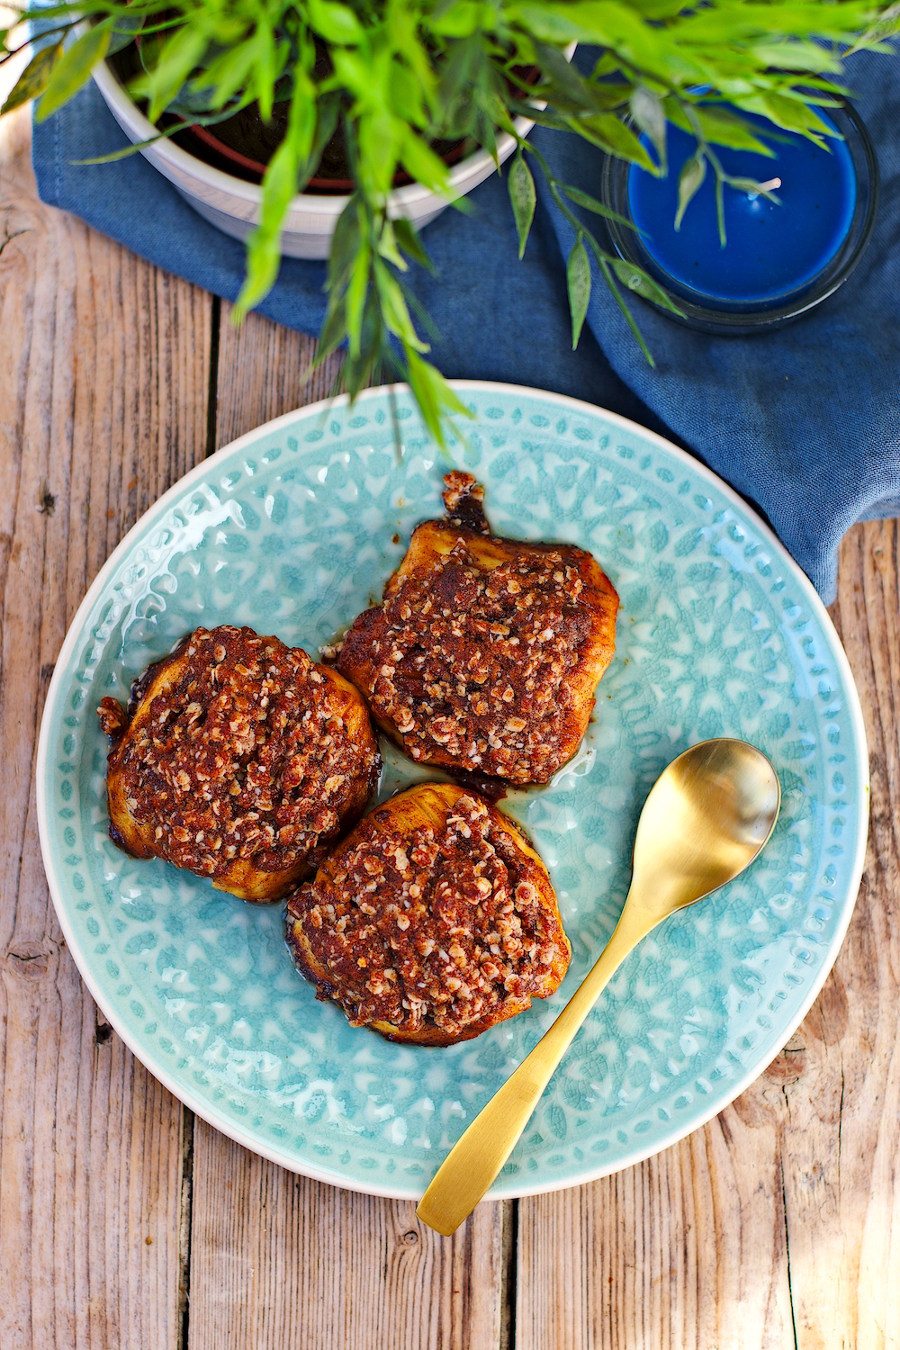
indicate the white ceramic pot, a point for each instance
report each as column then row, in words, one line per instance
column 233, row 205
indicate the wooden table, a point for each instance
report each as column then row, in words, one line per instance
column 128, row 1222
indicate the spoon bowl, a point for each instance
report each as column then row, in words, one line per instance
column 705, row 819
column 709, row 814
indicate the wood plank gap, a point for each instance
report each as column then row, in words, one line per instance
column 281, row 1262
column 787, row 1250
column 212, row 398
column 105, row 386
column 185, row 1229
column 509, row 1259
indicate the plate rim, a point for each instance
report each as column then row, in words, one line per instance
column 514, row 1189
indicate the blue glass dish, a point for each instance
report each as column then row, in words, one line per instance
column 780, row 258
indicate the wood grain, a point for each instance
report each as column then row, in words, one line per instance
column 842, row 1164
column 103, row 394
column 279, row 1260
column 261, row 372
column 122, row 1222
column 778, row 1224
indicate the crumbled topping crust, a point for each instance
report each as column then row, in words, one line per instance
column 420, row 925
column 474, row 667
column 463, row 498
column 485, row 653
column 244, row 755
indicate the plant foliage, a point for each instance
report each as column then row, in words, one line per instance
column 392, row 77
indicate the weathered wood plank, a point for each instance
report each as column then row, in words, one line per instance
column 278, row 1260
column 262, row 371
column 103, row 387
column 779, row 1221
column 842, row 1161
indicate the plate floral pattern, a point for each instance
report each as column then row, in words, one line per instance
column 292, row 530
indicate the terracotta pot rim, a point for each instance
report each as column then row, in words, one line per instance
column 315, row 184
column 181, row 161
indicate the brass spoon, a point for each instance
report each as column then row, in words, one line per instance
column 707, row 817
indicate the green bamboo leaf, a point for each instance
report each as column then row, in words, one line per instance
column 649, row 114
column 487, row 139
column 34, row 78
column 795, row 54
column 302, row 122
column 611, row 134
column 550, row 24
column 616, row 294
column 73, row 69
column 357, row 290
column 358, row 373
column 229, row 72
column 123, row 33
column 719, row 127
column 266, row 64
column 433, row 395
column 388, row 247
column 589, row 203
column 459, row 20
column 457, row 78
column 409, row 241
column 344, row 243
column 746, row 25
column 378, row 138
column 790, row 114
column 720, row 210
column 578, row 282
column 424, row 165
column 640, row 283
column 264, row 244
column 394, row 309
column 263, row 261
column 335, row 23
column 523, row 198
column 564, row 81
column 690, row 180
column 660, row 9
column 334, row 331
column 604, row 23
column 542, row 118
column 175, row 61
column 887, row 25
column 133, row 148
column 425, row 395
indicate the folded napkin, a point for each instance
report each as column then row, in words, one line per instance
column 804, row 422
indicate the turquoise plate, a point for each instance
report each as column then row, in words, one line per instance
column 293, row 529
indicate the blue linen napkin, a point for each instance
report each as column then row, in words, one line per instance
column 804, row 422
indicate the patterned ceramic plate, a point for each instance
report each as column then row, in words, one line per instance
column 292, row 530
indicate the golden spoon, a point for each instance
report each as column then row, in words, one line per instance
column 707, row 817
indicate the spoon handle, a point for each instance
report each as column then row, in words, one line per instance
column 478, row 1155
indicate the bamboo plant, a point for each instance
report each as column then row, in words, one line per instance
column 392, row 77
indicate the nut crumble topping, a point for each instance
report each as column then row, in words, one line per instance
column 242, row 753
column 485, row 652
column 463, row 498
column 419, row 924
